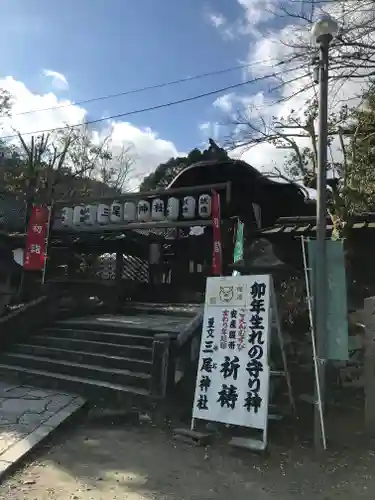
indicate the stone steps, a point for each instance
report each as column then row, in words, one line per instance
column 96, row 354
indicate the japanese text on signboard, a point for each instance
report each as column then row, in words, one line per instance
column 232, row 381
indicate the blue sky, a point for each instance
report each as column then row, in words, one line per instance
column 108, row 46
column 102, row 47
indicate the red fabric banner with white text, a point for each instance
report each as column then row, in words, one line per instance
column 37, row 232
column 216, row 232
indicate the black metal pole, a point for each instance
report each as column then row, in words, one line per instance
column 320, row 295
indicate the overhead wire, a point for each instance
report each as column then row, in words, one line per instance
column 150, row 108
column 146, row 88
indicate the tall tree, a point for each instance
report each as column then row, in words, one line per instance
column 166, row 172
column 67, row 164
column 352, row 51
column 350, row 172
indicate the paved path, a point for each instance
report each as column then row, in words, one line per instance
column 130, row 462
column 28, row 415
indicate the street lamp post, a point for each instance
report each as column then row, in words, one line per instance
column 323, row 31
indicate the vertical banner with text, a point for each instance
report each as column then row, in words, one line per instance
column 37, row 232
column 216, row 232
column 238, row 244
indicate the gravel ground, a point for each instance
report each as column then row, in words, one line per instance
column 144, row 463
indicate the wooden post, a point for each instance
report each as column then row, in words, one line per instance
column 163, row 367
column 367, row 317
column 119, row 273
column 153, row 268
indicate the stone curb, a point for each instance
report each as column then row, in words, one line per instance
column 18, row 451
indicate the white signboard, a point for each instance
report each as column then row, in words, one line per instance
column 233, row 372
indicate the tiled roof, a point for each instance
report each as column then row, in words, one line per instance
column 303, row 226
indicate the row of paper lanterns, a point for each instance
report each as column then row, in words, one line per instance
column 142, row 211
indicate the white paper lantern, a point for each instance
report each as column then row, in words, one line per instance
column 204, row 206
column 90, row 214
column 188, row 207
column 79, row 214
column 157, row 209
column 130, row 211
column 115, row 213
column 143, row 210
column 103, row 214
column 66, row 216
column 173, row 208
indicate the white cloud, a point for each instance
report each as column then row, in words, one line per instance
column 217, row 20
column 254, row 14
column 59, row 81
column 210, row 130
column 227, row 30
column 264, row 157
column 204, row 127
column 225, row 102
column 149, row 149
column 25, row 100
column 257, row 11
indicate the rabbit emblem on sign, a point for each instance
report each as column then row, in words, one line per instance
column 226, row 293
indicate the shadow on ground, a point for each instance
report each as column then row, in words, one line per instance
column 143, row 462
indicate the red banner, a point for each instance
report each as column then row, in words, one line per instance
column 36, row 238
column 216, row 232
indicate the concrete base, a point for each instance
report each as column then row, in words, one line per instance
column 249, row 444
column 193, row 437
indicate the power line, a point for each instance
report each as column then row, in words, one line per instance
column 149, row 87
column 142, row 110
column 152, row 108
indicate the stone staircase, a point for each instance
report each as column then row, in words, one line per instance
column 101, row 355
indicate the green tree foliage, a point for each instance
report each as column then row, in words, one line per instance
column 68, row 164
column 358, row 162
column 351, row 159
column 166, row 172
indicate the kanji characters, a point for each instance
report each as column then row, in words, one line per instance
column 228, row 396
column 207, row 365
column 229, row 367
column 254, row 367
column 204, row 383
column 202, row 403
column 35, row 248
column 253, row 401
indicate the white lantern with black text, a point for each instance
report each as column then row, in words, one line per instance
column 143, row 210
column 79, row 214
column 115, row 214
column 157, row 209
column 66, row 216
column 204, row 206
column 188, row 207
column 103, row 214
column 173, row 208
column 90, row 214
column 130, row 211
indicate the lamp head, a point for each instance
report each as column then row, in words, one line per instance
column 324, row 28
